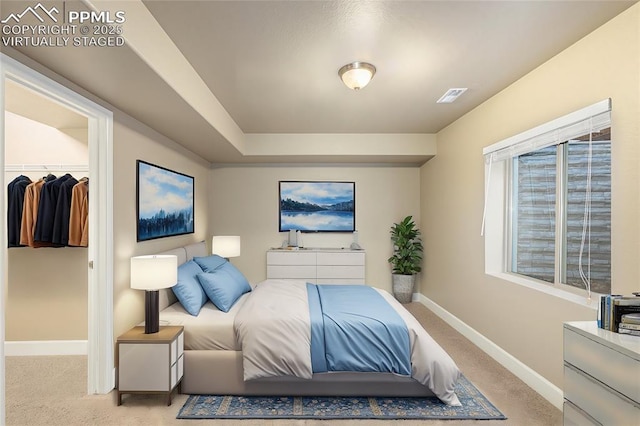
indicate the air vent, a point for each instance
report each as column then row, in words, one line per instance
column 451, row 95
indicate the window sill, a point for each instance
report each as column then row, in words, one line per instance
column 549, row 289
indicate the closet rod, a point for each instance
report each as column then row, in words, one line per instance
column 43, row 168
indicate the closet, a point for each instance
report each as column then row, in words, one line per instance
column 47, row 286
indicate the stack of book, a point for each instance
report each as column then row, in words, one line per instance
column 613, row 307
column 630, row 324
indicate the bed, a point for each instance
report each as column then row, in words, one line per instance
column 214, row 362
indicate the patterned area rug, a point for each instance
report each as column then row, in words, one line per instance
column 474, row 406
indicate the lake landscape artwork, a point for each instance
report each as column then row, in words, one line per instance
column 164, row 202
column 317, row 206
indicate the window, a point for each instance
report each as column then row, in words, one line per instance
column 533, row 221
column 578, row 173
column 553, row 184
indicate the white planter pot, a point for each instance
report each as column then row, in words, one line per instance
column 403, row 287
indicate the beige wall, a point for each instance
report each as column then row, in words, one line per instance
column 135, row 141
column 524, row 322
column 46, row 287
column 244, row 201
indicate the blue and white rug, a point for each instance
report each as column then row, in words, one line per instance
column 475, row 406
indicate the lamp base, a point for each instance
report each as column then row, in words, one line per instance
column 151, row 311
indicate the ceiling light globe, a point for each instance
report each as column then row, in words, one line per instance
column 357, row 75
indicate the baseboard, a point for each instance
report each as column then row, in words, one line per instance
column 548, row 390
column 45, row 347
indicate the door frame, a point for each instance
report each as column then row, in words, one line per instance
column 100, row 374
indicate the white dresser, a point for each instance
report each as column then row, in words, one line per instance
column 317, row 266
column 601, row 376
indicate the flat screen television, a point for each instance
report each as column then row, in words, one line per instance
column 311, row 206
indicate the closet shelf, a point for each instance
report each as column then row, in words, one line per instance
column 42, row 168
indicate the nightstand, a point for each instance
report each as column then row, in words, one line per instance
column 149, row 363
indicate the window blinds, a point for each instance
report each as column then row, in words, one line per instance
column 579, row 123
column 590, row 119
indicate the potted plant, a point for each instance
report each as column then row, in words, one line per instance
column 407, row 258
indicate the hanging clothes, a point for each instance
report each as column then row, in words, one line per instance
column 79, row 217
column 52, row 212
column 30, row 210
column 60, row 232
column 47, row 210
column 15, row 201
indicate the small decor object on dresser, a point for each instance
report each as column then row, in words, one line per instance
column 631, row 319
column 630, row 324
column 165, row 204
column 613, row 307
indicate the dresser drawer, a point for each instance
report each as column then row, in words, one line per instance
column 291, row 258
column 607, row 365
column 177, row 370
column 340, row 258
column 174, row 351
column 343, row 281
column 291, row 272
column 177, row 347
column 573, row 416
column 180, row 344
column 143, row 367
column 356, row 272
column 317, row 266
column 605, row 405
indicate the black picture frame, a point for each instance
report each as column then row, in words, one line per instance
column 317, row 206
column 165, row 204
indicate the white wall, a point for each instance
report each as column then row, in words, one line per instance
column 244, row 201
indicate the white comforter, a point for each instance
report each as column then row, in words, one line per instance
column 274, row 331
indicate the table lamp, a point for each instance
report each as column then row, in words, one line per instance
column 226, row 246
column 151, row 273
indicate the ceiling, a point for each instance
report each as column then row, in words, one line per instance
column 22, row 101
column 256, row 81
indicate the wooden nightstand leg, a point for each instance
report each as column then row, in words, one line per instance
column 119, row 398
column 169, row 398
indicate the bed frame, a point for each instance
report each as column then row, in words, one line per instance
column 219, row 372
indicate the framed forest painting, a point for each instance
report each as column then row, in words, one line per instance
column 165, row 203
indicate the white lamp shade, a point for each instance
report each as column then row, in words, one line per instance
column 226, row 245
column 154, row 272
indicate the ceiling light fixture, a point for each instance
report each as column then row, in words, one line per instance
column 356, row 75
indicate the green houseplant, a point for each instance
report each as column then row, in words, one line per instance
column 406, row 261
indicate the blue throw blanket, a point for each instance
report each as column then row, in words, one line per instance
column 354, row 329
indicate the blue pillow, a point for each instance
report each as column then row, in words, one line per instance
column 210, row 263
column 224, row 286
column 188, row 290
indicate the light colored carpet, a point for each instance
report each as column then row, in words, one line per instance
column 52, row 391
